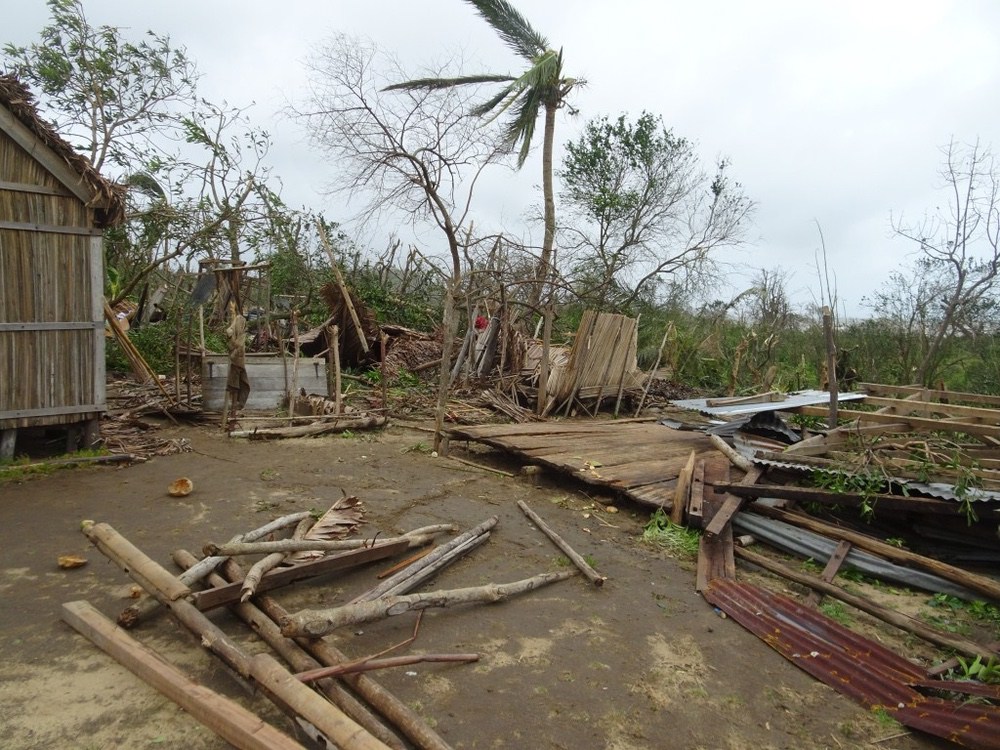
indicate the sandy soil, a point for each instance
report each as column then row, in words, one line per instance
column 641, row 663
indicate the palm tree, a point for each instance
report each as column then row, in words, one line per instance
column 541, row 86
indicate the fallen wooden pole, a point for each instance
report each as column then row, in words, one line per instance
column 415, row 538
column 314, row 623
column 134, row 613
column 972, row 581
column 295, row 655
column 387, row 663
column 410, row 577
column 404, row 718
column 596, row 578
column 229, row 720
column 310, row 430
column 285, row 690
column 120, row 551
column 404, row 563
column 736, row 458
column 901, row 621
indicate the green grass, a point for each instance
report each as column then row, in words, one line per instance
column 677, row 540
column 21, row 468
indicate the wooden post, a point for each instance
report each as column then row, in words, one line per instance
column 383, row 379
column 831, row 365
column 342, row 285
column 649, row 380
column 229, row 720
column 543, row 368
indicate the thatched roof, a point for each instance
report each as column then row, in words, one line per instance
column 108, row 197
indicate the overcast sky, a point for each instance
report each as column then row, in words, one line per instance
column 831, row 112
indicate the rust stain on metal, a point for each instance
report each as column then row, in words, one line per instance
column 856, row 666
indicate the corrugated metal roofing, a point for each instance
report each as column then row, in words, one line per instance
column 790, row 401
column 854, row 665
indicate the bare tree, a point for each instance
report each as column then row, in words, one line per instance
column 959, row 246
column 415, row 151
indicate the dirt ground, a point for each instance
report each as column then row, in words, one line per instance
column 641, row 663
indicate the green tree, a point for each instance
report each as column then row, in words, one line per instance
column 643, row 209
column 541, row 87
column 109, row 96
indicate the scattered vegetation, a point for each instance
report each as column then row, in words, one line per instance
column 679, row 541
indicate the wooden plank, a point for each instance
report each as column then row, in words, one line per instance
column 880, row 501
column 96, row 268
column 53, row 326
column 52, row 411
column 715, row 554
column 880, row 389
column 683, row 489
column 24, row 187
column 931, row 409
column 696, row 497
column 24, row 226
column 55, row 164
column 830, row 571
column 915, row 423
column 230, row 594
column 730, row 506
column 229, row 720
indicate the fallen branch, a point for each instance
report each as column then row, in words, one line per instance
column 416, row 538
column 270, row 562
column 392, row 661
column 315, row 623
column 596, row 578
column 735, row 458
column 409, row 578
column 132, row 614
column 311, row 430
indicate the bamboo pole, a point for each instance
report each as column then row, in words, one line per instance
column 335, row 348
column 387, row 663
column 543, row 368
column 229, row 720
column 314, row 623
column 595, row 578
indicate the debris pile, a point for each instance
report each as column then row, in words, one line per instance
column 330, row 697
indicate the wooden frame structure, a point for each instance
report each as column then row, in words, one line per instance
column 53, row 208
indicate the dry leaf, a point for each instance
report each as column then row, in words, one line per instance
column 341, row 520
column 67, row 562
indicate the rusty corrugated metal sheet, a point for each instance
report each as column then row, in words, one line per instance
column 854, row 665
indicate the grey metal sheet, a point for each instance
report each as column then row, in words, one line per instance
column 791, row 401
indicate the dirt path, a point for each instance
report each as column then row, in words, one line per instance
column 641, row 663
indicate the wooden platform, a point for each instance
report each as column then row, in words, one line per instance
column 639, row 459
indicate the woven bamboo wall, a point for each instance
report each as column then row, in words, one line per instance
column 51, row 323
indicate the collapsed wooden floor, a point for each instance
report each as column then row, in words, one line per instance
column 639, row 459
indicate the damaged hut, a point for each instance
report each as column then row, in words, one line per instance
column 53, row 208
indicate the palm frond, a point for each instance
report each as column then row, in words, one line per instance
column 512, row 27
column 522, row 127
column 431, row 84
column 481, row 110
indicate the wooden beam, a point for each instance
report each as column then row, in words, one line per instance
column 683, row 489
column 879, row 389
column 828, row 497
column 830, row 571
column 24, row 187
column 229, row 720
column 932, row 408
column 24, row 226
column 915, row 423
column 983, row 585
column 24, row 137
